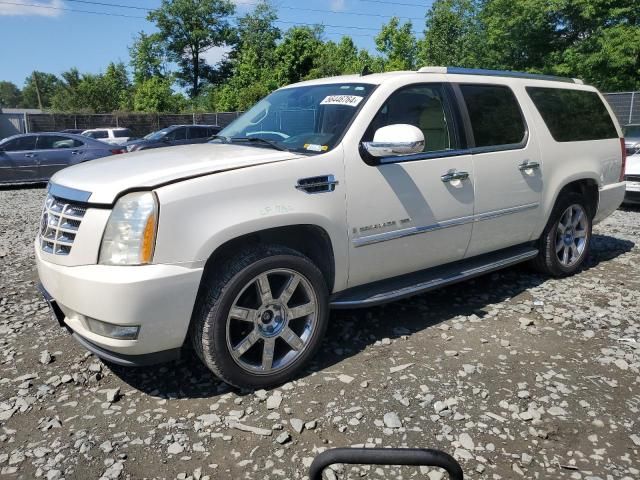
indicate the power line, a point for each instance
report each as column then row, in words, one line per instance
column 283, row 7
column 397, row 3
column 50, row 7
column 111, row 5
column 138, row 17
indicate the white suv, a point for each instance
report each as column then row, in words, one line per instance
column 115, row 136
column 334, row 193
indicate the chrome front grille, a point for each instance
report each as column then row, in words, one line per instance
column 59, row 224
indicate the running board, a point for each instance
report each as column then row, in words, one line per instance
column 416, row 283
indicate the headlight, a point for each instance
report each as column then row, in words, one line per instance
column 130, row 235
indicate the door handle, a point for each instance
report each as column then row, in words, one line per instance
column 454, row 175
column 30, row 155
column 75, row 152
column 528, row 165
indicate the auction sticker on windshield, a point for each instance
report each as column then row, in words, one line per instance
column 349, row 100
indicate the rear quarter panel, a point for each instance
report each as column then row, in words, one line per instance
column 566, row 162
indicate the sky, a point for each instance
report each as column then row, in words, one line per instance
column 45, row 35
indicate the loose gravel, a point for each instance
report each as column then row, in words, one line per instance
column 517, row 375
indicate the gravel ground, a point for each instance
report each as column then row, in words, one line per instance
column 517, row 375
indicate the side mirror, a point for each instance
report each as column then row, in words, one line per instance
column 398, row 139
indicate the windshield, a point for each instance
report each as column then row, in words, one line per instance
column 632, row 131
column 157, row 135
column 308, row 119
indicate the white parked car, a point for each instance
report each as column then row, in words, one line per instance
column 333, row 193
column 115, row 136
column 632, row 177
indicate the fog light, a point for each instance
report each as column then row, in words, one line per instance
column 120, row 332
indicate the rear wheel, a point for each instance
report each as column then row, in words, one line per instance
column 565, row 241
column 261, row 317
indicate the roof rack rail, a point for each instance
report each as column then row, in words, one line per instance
column 498, row 73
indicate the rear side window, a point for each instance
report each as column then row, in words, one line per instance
column 122, row 133
column 54, row 142
column 98, row 134
column 198, row 132
column 573, row 115
column 496, row 119
column 20, row 144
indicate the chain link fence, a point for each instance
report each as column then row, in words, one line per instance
column 626, row 106
column 139, row 123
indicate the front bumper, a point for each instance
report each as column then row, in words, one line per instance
column 158, row 298
column 611, row 197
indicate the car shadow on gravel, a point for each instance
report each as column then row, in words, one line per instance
column 352, row 331
column 23, row 186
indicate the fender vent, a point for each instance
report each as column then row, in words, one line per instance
column 321, row 184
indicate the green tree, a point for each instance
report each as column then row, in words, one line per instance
column 398, row 44
column 148, row 57
column 10, row 95
column 297, row 54
column 39, row 88
column 597, row 40
column 251, row 61
column 453, row 34
column 155, row 95
column 66, row 97
column 188, row 29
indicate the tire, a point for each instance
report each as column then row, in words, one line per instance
column 259, row 350
column 553, row 245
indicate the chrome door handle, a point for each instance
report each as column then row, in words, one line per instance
column 528, row 165
column 75, row 152
column 454, row 175
column 30, row 155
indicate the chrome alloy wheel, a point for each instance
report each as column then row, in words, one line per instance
column 571, row 235
column 271, row 321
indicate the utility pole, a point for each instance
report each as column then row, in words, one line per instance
column 35, row 81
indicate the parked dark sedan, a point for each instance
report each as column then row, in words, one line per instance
column 174, row 135
column 35, row 157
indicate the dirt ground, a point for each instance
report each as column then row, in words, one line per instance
column 515, row 374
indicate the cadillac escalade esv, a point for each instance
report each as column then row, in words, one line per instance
column 334, row 193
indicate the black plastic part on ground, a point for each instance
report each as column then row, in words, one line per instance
column 386, row 456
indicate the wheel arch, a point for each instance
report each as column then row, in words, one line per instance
column 588, row 188
column 311, row 240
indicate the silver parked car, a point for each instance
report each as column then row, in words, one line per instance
column 35, row 157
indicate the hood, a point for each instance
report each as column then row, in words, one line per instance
column 105, row 178
column 633, row 165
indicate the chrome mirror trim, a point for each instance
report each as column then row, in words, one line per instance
column 387, row 149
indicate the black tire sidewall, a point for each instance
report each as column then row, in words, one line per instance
column 553, row 262
column 229, row 370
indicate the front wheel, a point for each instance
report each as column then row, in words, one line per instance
column 261, row 317
column 565, row 241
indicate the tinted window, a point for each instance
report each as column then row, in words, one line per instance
column 495, row 115
column 423, row 106
column 198, row 132
column 177, row 134
column 573, row 115
column 98, row 134
column 20, row 144
column 122, row 133
column 54, row 142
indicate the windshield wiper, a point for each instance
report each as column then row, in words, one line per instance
column 259, row 140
